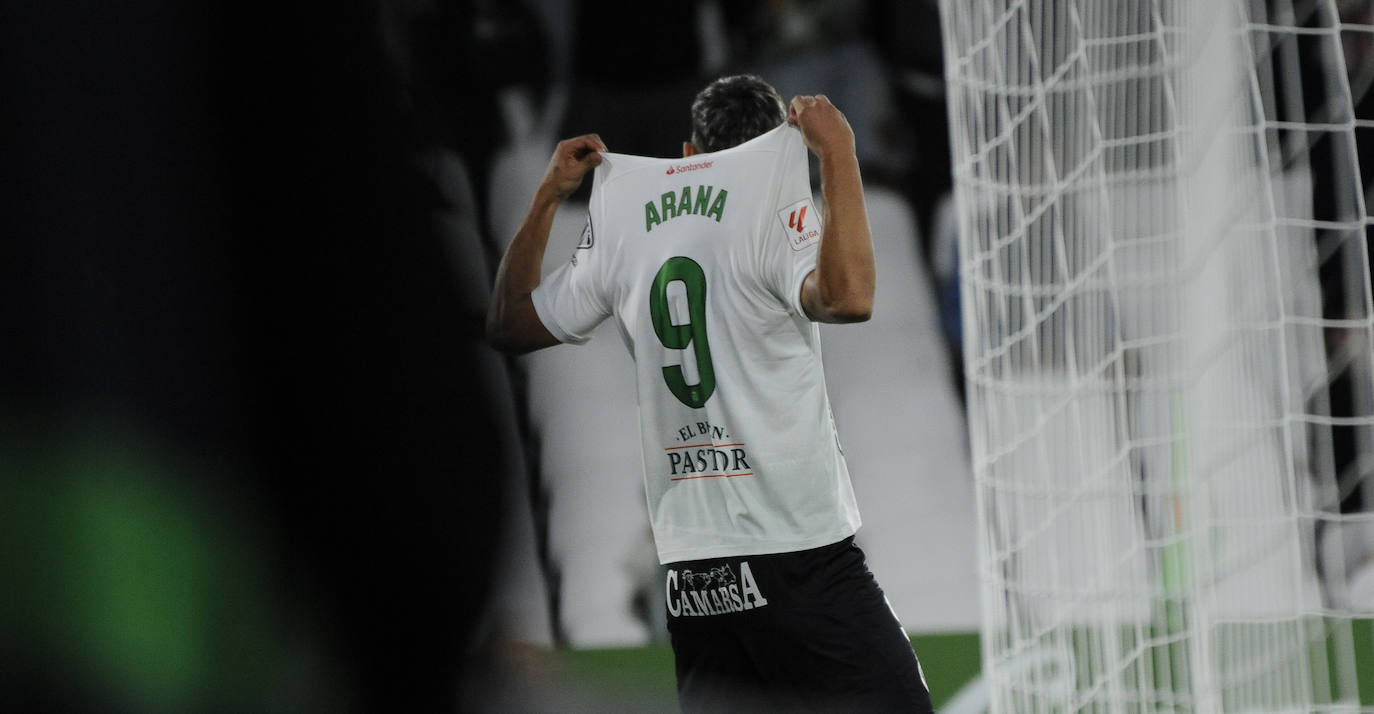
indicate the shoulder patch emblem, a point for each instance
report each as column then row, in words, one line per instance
column 586, row 241
column 801, row 223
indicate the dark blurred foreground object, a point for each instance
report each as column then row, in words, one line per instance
column 246, row 460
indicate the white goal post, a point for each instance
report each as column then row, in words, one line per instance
column 1169, row 343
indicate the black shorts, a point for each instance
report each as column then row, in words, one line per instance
column 789, row 632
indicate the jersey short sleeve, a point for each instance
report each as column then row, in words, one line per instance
column 792, row 235
column 573, row 299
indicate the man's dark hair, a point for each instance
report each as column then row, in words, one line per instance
column 733, row 110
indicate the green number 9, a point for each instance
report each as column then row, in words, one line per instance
column 680, row 337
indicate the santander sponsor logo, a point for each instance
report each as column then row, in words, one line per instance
column 689, row 167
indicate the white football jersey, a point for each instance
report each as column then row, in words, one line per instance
column 701, row 262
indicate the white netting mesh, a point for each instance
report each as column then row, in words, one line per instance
column 1167, row 316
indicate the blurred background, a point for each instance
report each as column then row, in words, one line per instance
column 253, row 453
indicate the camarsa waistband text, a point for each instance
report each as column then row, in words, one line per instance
column 716, row 591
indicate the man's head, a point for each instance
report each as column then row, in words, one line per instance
column 733, row 110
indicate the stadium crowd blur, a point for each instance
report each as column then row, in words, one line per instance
column 250, row 454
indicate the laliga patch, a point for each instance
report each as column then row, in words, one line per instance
column 586, row 242
column 802, row 224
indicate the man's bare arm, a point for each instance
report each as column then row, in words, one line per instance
column 512, row 324
column 841, row 287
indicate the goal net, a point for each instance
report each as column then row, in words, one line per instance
column 1167, row 335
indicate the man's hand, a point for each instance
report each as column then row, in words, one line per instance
column 823, row 127
column 571, row 161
